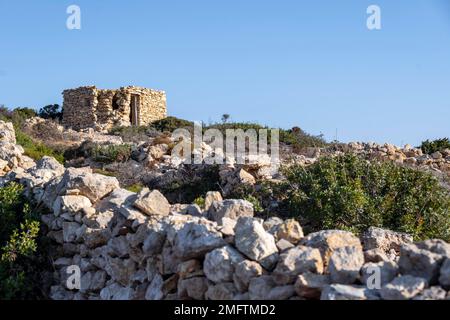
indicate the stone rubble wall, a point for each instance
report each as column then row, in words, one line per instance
column 137, row 246
column 89, row 107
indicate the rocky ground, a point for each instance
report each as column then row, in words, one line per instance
column 139, row 246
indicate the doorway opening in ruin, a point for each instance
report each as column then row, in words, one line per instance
column 134, row 109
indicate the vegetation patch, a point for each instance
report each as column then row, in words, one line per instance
column 21, row 258
column 430, row 147
column 348, row 192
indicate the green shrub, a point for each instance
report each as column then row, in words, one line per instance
column 132, row 133
column 348, row 192
column 169, row 124
column 16, row 116
column 36, row 150
column 51, row 111
column 137, row 187
column 110, row 153
column 200, row 201
column 429, row 147
column 21, row 262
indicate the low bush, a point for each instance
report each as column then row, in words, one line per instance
column 169, row 124
column 51, row 111
column 429, row 147
column 21, row 259
column 37, row 150
column 348, row 192
column 110, row 153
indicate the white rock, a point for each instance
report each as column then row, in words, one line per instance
column 152, row 202
column 403, row 288
column 296, row 261
column 252, row 240
column 219, row 265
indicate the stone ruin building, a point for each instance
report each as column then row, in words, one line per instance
column 89, row 107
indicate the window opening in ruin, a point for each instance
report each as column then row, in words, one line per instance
column 134, row 110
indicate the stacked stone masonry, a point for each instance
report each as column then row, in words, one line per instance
column 89, row 107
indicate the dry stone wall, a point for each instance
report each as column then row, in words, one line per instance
column 89, row 107
column 131, row 245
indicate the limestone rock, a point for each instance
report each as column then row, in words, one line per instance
column 329, row 240
column 310, row 285
column 219, row 264
column 347, row 292
column 296, row 261
column 259, row 287
column 432, row 293
column 92, row 185
column 7, row 133
column 252, row 240
column 403, row 288
column 152, row 202
column 444, row 278
column 377, row 238
column 155, row 289
column 71, row 204
column 344, row 264
column 290, row 230
column 210, row 197
column 419, row 262
column 245, row 271
column 194, row 240
column 230, row 208
column 221, row 291
column 193, row 288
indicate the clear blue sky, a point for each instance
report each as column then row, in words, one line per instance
column 313, row 64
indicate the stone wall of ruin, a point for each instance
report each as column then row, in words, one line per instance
column 89, row 107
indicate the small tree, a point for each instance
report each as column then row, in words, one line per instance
column 51, row 111
column 225, row 117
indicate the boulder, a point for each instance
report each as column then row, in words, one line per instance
column 219, row 265
column 436, row 246
column 310, row 285
column 444, row 278
column 92, row 185
column 7, row 133
column 244, row 272
column 386, row 240
column 230, row 208
column 290, row 230
column 120, row 270
column 420, row 262
column 70, row 204
column 345, row 263
column 403, row 288
column 329, row 240
column 152, row 202
column 281, row 292
column 253, row 241
column 155, row 289
column 296, row 261
column 194, row 240
column 210, row 197
column 433, row 293
column 347, row 292
column 194, row 288
column 260, row 287
column 221, row 291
